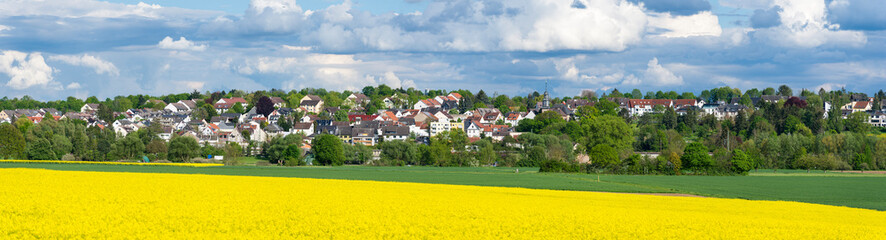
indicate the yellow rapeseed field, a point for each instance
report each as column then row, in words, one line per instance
column 116, row 163
column 46, row 204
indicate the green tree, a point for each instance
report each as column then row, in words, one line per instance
column 608, row 130
column 741, row 163
column 399, row 153
column 237, row 108
column 535, row 156
column 182, row 149
column 328, row 150
column 858, row 123
column 669, row 118
column 233, row 153
column 285, row 123
column 23, row 125
column 105, row 113
column 157, row 149
column 607, row 107
column 360, row 154
column 61, row 145
column 275, row 152
column 12, row 142
column 292, row 156
column 486, row 153
column 785, row 91
column 604, row 156
column 129, row 147
column 695, row 156
column 41, row 149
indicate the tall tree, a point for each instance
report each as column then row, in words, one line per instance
column 785, row 91
column 328, row 150
column 696, row 157
column 669, row 118
column 12, row 142
column 41, row 149
column 608, row 130
column 264, row 106
column 182, row 149
column 105, row 113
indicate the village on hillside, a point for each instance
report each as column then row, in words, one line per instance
column 398, row 120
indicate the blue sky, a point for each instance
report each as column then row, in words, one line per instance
column 52, row 49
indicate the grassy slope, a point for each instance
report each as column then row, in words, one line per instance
column 854, row 190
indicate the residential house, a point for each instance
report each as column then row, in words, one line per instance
column 365, row 136
column 638, row 107
column 391, row 133
column 222, row 105
column 426, row 103
column 273, row 130
column 278, row 102
column 443, row 126
column 6, row 116
column 360, row 118
column 313, row 106
column 877, row 119
column 513, row 118
column 89, row 107
column 729, row 110
column 858, row 106
column 356, row 100
column 176, row 107
column 304, row 128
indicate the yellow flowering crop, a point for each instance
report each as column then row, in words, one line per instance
column 46, row 204
column 117, row 163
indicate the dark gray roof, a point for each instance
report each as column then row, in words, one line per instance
column 395, row 131
column 273, row 128
column 310, row 103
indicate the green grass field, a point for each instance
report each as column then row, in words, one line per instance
column 841, row 189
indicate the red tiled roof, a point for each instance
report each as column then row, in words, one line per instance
column 363, row 117
column 861, row 105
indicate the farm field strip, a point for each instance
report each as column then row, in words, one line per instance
column 839, row 189
column 113, row 163
column 73, row 204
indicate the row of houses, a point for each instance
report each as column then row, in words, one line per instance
column 426, row 118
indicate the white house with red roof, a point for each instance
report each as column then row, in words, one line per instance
column 222, row 105
column 426, row 103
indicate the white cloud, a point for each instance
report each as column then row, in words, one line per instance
column 747, row 4
column 25, row 70
column 94, row 8
column 657, row 75
column 599, row 76
column 701, row 24
column 73, row 85
column 297, row 48
column 547, row 25
column 804, row 24
column 391, row 79
column 194, row 85
column 181, row 44
column 100, row 66
column 464, row 25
